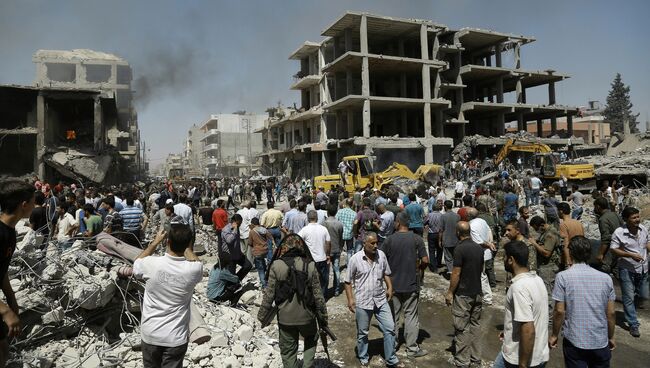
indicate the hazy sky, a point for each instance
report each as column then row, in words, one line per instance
column 204, row 57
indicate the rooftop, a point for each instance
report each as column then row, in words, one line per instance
column 76, row 55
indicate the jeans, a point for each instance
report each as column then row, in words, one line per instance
column 387, row 327
column 288, row 341
column 449, row 258
column 323, row 270
column 245, row 265
column 435, row 253
column 576, row 214
column 500, row 362
column 528, row 195
column 408, row 303
column 466, row 311
column 352, row 246
column 260, row 265
column 277, row 238
column 631, row 283
column 485, row 289
column 575, row 357
column 535, row 196
column 489, row 271
column 417, row 230
column 162, row 356
column 336, row 259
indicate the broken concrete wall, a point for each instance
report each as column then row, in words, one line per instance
column 77, row 165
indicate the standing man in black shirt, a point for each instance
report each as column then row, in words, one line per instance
column 16, row 203
column 407, row 257
column 465, row 296
column 38, row 218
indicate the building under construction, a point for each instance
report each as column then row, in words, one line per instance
column 76, row 122
column 404, row 90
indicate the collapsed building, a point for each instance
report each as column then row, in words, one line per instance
column 404, row 90
column 76, row 122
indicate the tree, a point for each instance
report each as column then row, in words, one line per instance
column 619, row 107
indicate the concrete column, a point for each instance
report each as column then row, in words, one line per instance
column 523, row 95
column 435, row 47
column 363, row 34
column 98, row 136
column 400, row 47
column 498, row 49
column 426, row 95
column 569, row 124
column 335, row 48
column 39, row 165
column 402, row 85
column 348, row 82
column 551, row 93
column 348, row 39
column 540, row 127
column 436, row 86
column 500, row 89
column 366, row 118
column 553, row 125
column 324, row 167
column 428, row 154
column 501, row 124
column 365, row 75
column 519, row 89
column 404, row 125
column 488, row 60
column 518, row 55
column 521, row 124
column 424, row 42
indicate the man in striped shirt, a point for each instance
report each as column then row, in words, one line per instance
column 367, row 271
column 346, row 215
column 133, row 219
column 584, row 305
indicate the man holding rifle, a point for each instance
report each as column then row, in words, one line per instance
column 294, row 293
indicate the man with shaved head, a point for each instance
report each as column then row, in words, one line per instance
column 465, row 296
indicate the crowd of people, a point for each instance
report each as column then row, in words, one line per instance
column 389, row 240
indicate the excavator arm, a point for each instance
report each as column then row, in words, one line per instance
column 512, row 146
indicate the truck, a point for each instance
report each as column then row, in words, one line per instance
column 361, row 173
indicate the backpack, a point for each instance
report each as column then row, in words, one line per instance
column 368, row 225
column 297, row 283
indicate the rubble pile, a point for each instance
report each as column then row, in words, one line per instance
column 77, row 310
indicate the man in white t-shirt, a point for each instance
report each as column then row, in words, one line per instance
column 317, row 238
column 170, row 282
column 247, row 214
column 66, row 224
column 459, row 191
column 525, row 326
column 535, row 188
column 482, row 235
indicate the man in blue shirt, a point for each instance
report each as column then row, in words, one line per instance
column 511, row 204
column 584, row 306
column 222, row 283
column 416, row 215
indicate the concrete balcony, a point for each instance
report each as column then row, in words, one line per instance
column 305, row 82
column 210, row 133
column 210, row 147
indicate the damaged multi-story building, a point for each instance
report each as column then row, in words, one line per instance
column 76, row 122
column 404, row 90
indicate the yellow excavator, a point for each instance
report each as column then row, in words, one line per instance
column 360, row 173
column 547, row 163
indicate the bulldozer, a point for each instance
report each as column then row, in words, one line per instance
column 547, row 163
column 361, row 173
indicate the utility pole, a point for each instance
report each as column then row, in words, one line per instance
column 248, row 145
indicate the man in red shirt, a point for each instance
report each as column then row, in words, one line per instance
column 219, row 218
